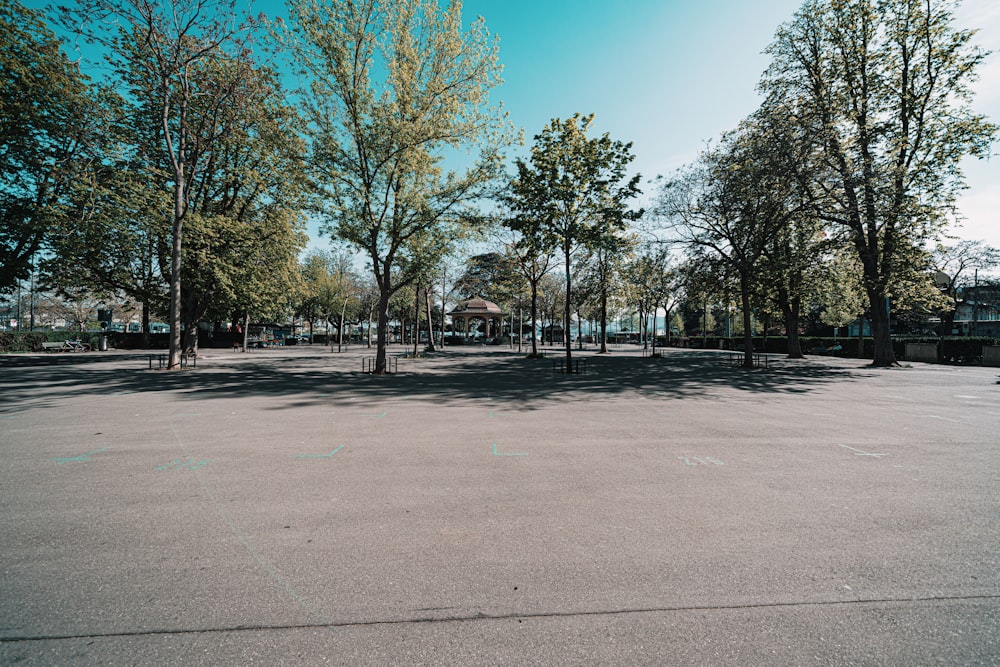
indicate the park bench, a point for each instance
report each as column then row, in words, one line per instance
column 162, row 361
column 66, row 346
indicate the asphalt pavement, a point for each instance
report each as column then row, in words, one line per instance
column 281, row 507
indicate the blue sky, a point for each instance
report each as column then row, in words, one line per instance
column 669, row 75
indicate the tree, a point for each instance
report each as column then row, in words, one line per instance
column 245, row 204
column 600, row 280
column 728, row 206
column 954, row 265
column 48, row 132
column 108, row 235
column 157, row 48
column 527, row 249
column 883, row 88
column 394, row 86
column 655, row 283
column 572, row 193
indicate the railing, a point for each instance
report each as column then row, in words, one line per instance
column 579, row 366
column 369, row 364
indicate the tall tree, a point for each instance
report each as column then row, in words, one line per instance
column 576, row 190
column 394, row 86
column 884, row 86
column 724, row 206
column 156, row 47
column 48, row 131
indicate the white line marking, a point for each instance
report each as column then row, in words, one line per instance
column 858, row 452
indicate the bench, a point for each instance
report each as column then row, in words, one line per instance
column 66, row 346
column 163, row 361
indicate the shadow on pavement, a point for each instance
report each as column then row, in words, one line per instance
column 302, row 380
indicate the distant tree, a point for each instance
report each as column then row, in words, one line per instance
column 533, row 258
column 959, row 266
column 394, row 86
column 575, row 192
column 884, row 88
column 656, row 283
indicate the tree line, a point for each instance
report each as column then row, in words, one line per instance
column 181, row 176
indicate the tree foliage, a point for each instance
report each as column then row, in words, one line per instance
column 572, row 193
column 884, row 91
column 48, row 134
column 394, row 87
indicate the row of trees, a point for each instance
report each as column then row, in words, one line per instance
column 185, row 149
column 181, row 178
column 848, row 173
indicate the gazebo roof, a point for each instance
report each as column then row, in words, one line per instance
column 477, row 307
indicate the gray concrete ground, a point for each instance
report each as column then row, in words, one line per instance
column 279, row 507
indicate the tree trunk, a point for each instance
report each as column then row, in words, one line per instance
column 382, row 330
column 604, row 320
column 884, row 355
column 790, row 311
column 416, row 320
column 566, row 311
column 371, row 313
column 747, row 324
column 534, row 317
column 145, row 325
column 430, row 321
column 174, row 362
column 340, row 327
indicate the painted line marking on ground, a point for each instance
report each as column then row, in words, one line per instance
column 319, row 456
column 859, row 452
column 700, row 460
column 965, row 396
column 377, row 415
column 81, row 457
column 186, row 463
column 496, row 453
column 945, row 419
column 8, row 416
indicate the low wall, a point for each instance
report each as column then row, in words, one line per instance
column 927, row 352
column 991, row 355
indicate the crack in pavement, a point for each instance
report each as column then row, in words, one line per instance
column 491, row 617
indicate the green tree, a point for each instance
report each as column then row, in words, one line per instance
column 246, row 202
column 656, row 284
column 156, row 49
column 883, row 87
column 728, row 206
column 395, row 86
column 533, row 259
column 108, row 236
column 48, row 133
column 573, row 193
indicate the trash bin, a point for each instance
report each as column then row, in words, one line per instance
column 102, row 343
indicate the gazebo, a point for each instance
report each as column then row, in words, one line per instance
column 477, row 309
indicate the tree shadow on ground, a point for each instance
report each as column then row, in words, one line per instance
column 298, row 381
